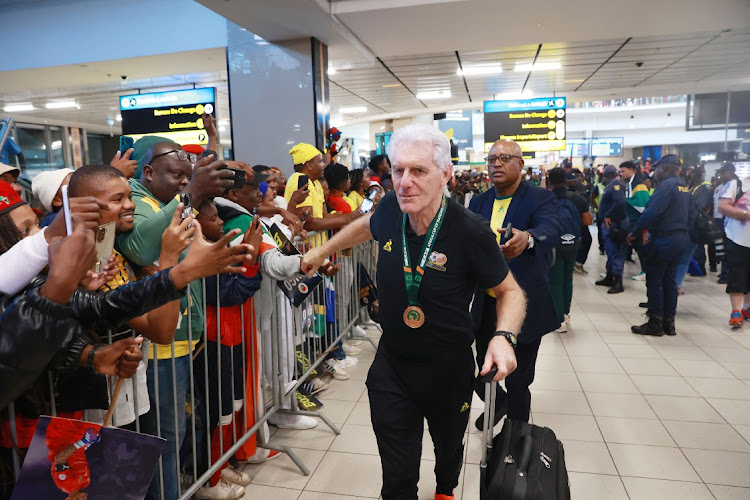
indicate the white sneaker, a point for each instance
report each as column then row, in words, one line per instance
column 563, row 327
column 333, row 367
column 236, row 476
column 348, row 362
column 639, row 277
column 224, row 490
column 261, row 455
column 298, row 422
column 351, row 349
column 358, row 331
column 566, row 318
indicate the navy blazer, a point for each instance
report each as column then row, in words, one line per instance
column 532, row 209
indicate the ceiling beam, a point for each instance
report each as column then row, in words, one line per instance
column 605, row 62
column 536, row 56
column 678, row 60
column 399, row 81
column 461, row 67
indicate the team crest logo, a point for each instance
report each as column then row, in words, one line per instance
column 437, row 261
column 568, row 239
column 388, row 246
column 617, row 188
column 4, row 199
column 465, row 407
column 302, row 287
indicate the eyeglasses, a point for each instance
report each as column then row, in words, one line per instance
column 181, row 155
column 505, row 159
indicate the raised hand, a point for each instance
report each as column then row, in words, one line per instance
column 206, row 259
column 94, row 281
column 254, row 237
column 86, row 208
column 70, row 258
column 211, row 177
column 125, row 163
column 176, row 238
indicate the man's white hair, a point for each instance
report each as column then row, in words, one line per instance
column 425, row 134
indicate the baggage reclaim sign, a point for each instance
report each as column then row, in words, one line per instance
column 535, row 124
column 175, row 115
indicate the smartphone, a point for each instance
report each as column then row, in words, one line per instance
column 366, row 206
column 508, row 232
column 303, row 180
column 238, row 180
column 373, row 194
column 125, row 144
column 304, row 216
column 105, row 244
column 66, row 210
column 187, row 209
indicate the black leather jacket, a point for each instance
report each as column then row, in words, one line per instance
column 36, row 332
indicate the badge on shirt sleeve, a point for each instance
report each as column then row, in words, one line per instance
column 617, row 188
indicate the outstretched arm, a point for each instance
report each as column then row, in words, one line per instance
column 351, row 235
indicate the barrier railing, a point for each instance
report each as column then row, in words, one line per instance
column 243, row 362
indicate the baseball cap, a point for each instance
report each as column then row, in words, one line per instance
column 4, row 169
column 727, row 167
column 609, row 170
column 9, row 199
column 667, row 160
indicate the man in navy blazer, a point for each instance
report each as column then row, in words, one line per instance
column 535, row 232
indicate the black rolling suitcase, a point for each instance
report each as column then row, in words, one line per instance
column 523, row 462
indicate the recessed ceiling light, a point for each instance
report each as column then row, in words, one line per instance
column 14, row 108
column 539, row 66
column 480, row 69
column 61, row 105
column 353, row 109
column 390, row 85
column 439, row 94
column 574, row 81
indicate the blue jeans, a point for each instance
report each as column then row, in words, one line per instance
column 684, row 263
column 167, row 430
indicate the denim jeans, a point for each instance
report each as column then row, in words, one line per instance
column 167, row 430
column 684, row 263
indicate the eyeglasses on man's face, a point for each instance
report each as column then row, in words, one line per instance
column 504, row 159
column 181, row 155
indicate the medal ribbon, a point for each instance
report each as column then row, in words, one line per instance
column 413, row 277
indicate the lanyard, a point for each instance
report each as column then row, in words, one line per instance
column 414, row 279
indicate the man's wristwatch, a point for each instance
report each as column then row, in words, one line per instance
column 531, row 241
column 510, row 337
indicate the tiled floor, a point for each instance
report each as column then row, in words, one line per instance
column 640, row 418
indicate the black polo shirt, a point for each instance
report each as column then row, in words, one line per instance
column 465, row 255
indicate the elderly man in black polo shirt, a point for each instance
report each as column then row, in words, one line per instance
column 433, row 254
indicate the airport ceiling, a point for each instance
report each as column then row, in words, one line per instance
column 387, row 54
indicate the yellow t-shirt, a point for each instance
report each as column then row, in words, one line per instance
column 316, row 200
column 355, row 199
column 499, row 209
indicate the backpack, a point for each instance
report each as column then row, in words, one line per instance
column 570, row 220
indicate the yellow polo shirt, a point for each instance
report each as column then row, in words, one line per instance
column 316, row 200
column 499, row 209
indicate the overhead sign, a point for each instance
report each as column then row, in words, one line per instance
column 176, row 115
column 606, row 146
column 459, row 125
column 535, row 124
column 578, row 147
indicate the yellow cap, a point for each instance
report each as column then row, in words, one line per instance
column 303, row 152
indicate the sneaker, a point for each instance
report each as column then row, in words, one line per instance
column 579, row 269
column 297, row 422
column 262, row 455
column 712, row 268
column 333, row 367
column 746, row 313
column 722, row 281
column 735, row 320
column 639, row 277
column 223, row 490
column 563, row 328
column 351, row 350
column 236, row 476
column 566, row 318
column 358, row 331
column 441, row 496
column 314, row 386
column 348, row 362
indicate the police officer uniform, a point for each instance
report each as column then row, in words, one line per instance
column 612, row 207
column 667, row 217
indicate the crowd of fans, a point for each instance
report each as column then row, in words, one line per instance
column 143, row 317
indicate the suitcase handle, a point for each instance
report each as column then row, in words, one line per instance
column 484, row 379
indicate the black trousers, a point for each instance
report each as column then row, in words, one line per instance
column 518, row 396
column 586, row 241
column 402, row 394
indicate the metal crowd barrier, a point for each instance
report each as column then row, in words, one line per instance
column 282, row 351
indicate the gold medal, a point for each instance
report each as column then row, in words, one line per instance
column 414, row 317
